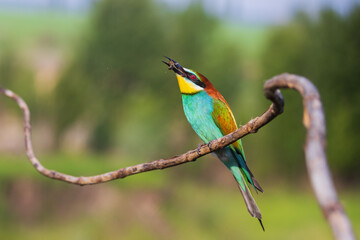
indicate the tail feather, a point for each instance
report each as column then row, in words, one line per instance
column 231, row 161
column 256, row 184
column 250, row 203
column 245, row 169
column 261, row 224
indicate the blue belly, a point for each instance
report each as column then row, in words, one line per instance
column 198, row 109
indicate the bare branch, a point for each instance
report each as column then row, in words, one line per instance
column 315, row 152
column 251, row 127
column 316, row 161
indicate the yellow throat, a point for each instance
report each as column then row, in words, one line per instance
column 187, row 87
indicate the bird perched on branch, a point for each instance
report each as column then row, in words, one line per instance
column 211, row 117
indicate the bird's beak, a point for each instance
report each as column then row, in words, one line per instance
column 176, row 67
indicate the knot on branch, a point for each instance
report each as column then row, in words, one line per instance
column 81, row 181
column 252, row 126
column 330, row 209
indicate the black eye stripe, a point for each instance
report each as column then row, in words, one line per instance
column 199, row 83
column 196, row 80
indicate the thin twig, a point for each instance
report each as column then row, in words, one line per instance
column 316, row 161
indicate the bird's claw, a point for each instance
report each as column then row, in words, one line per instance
column 198, row 148
column 209, row 144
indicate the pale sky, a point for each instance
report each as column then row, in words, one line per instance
column 243, row 11
column 264, row 11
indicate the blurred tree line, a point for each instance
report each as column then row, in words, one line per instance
column 118, row 88
column 327, row 51
column 119, row 83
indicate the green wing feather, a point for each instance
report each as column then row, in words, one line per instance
column 225, row 121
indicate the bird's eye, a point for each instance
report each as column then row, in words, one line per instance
column 193, row 77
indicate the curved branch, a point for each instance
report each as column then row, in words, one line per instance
column 315, row 151
column 316, row 161
column 251, row 127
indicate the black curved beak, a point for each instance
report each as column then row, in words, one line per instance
column 176, row 67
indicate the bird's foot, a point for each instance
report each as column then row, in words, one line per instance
column 209, row 144
column 198, row 148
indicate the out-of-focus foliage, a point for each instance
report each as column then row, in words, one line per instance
column 112, row 83
column 118, row 81
column 100, row 80
column 327, row 51
column 13, row 74
column 116, row 60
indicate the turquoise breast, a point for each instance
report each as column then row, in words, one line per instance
column 198, row 108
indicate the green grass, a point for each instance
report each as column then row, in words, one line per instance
column 157, row 205
column 288, row 214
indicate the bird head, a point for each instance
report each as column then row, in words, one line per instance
column 190, row 82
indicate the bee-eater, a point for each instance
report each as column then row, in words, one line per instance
column 211, row 117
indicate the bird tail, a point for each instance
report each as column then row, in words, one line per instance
column 250, row 203
column 246, row 171
column 242, row 178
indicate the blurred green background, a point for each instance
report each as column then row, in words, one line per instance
column 101, row 99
